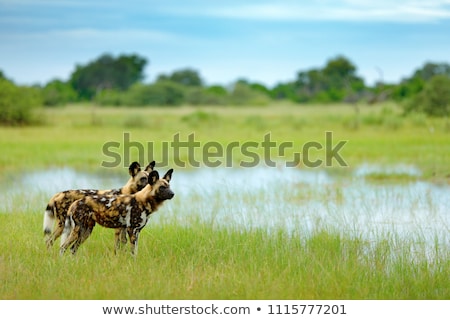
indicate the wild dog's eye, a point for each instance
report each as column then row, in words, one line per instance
column 144, row 179
column 162, row 188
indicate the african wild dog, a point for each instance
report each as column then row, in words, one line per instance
column 112, row 211
column 59, row 204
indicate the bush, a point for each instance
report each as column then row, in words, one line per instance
column 17, row 103
column 436, row 96
column 434, row 99
column 243, row 94
column 207, row 96
column 162, row 93
column 109, row 97
column 418, row 119
column 200, row 117
column 57, row 93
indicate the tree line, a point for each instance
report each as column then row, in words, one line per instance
column 119, row 81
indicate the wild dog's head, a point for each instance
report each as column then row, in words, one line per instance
column 161, row 187
column 139, row 178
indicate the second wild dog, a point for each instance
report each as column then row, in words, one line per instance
column 59, row 204
column 126, row 211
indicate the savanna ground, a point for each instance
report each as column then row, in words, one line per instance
column 188, row 258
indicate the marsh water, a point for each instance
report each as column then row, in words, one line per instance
column 271, row 198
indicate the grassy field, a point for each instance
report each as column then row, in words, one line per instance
column 185, row 258
column 74, row 136
column 195, row 261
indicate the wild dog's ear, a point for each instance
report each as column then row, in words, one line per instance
column 150, row 166
column 168, row 175
column 134, row 168
column 153, row 177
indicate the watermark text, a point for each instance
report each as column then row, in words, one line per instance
column 189, row 152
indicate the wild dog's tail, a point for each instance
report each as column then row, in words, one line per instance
column 49, row 220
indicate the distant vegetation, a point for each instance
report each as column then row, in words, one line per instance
column 119, row 81
column 17, row 103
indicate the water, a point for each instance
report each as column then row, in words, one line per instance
column 297, row 200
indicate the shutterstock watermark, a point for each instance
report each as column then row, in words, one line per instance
column 189, row 152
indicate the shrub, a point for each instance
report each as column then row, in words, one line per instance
column 57, row 93
column 206, row 96
column 434, row 99
column 436, row 96
column 110, row 97
column 198, row 117
column 17, row 103
column 243, row 94
column 162, row 93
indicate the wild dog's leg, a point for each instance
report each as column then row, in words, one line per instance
column 85, row 232
column 132, row 239
column 71, row 239
column 120, row 236
column 52, row 214
column 133, row 233
column 88, row 225
column 75, row 244
column 67, row 230
column 74, row 219
column 55, row 234
column 116, row 240
column 123, row 236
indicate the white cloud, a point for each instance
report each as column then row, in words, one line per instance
column 99, row 34
column 61, row 3
column 91, row 34
column 344, row 10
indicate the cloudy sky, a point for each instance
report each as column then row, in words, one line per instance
column 264, row 41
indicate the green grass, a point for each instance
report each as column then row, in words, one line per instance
column 390, row 177
column 74, row 136
column 195, row 261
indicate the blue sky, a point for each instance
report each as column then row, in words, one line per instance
column 264, row 41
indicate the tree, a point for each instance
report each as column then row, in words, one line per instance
column 336, row 81
column 17, row 103
column 309, row 84
column 214, row 95
column 162, row 93
column 260, row 87
column 284, row 91
column 434, row 99
column 57, row 92
column 107, row 72
column 431, row 69
column 339, row 71
column 2, row 75
column 185, row 77
column 410, row 87
column 341, row 79
column 243, row 94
